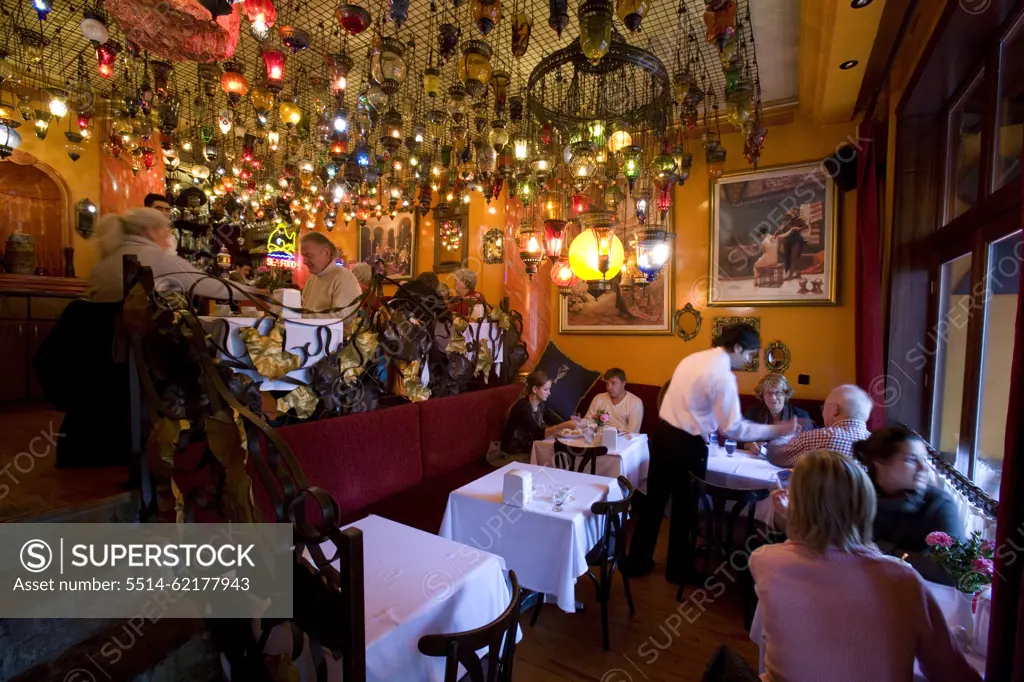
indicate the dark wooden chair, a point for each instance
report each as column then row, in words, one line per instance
column 566, row 456
column 608, row 554
column 719, row 526
column 499, row 637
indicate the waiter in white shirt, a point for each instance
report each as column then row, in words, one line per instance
column 702, row 398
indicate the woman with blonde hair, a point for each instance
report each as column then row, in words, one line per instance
column 773, row 394
column 832, row 607
column 146, row 234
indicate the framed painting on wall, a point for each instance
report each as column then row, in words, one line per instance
column 391, row 241
column 628, row 308
column 773, row 237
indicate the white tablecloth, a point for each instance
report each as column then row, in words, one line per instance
column 630, row 458
column 546, row 549
column 944, row 595
column 741, row 470
column 419, row 584
column 323, row 335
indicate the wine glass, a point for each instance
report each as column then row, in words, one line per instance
column 559, row 494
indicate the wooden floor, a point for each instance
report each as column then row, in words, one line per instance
column 657, row 644
column 29, row 482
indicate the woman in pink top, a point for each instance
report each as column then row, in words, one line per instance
column 832, row 606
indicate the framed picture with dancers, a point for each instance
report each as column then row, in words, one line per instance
column 773, row 237
column 389, row 244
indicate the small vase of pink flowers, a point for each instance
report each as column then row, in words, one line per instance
column 602, row 417
column 969, row 563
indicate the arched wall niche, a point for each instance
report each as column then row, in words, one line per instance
column 36, row 197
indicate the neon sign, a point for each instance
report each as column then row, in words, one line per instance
column 281, row 247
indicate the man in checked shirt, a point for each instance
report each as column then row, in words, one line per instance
column 845, row 413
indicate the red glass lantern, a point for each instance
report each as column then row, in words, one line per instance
column 273, row 62
column 664, row 198
column 229, row 184
column 580, row 203
column 148, row 158
column 554, row 238
column 353, row 18
column 106, row 57
column 261, row 14
column 563, row 276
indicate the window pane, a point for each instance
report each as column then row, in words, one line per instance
column 1003, row 286
column 1011, row 110
column 950, row 337
column 966, row 122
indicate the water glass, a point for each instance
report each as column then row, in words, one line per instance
column 588, row 436
column 730, row 447
column 559, row 494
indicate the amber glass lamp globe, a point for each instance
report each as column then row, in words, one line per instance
column 585, row 255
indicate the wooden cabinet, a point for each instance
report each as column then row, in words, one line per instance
column 13, row 360
column 36, row 331
column 26, row 318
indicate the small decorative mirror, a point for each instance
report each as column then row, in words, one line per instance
column 688, row 322
column 776, row 357
column 494, row 251
column 85, row 218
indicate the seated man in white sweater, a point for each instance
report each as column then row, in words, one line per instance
column 625, row 410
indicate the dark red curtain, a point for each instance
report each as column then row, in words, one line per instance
column 1006, row 635
column 868, row 296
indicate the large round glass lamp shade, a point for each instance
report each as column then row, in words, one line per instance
column 10, row 139
column 595, row 17
column 388, row 65
column 588, row 261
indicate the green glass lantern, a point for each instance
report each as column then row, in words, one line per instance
column 595, row 17
column 632, row 161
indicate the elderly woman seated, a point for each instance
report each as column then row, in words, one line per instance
column 773, row 406
column 466, row 295
column 835, row 608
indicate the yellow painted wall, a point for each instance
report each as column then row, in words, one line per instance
column 820, row 339
column 82, row 178
column 490, row 278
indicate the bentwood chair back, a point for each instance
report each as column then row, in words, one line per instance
column 499, row 637
column 566, row 457
column 607, row 555
column 719, row 525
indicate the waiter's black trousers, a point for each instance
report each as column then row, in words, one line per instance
column 674, row 455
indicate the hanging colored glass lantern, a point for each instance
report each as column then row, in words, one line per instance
column 106, row 58
column 294, row 38
column 738, row 103
column 631, row 164
column 684, row 162
column 530, row 249
column 720, row 21
column 613, row 196
column 500, row 81
column 388, row 65
column 664, row 166
column 262, row 101
column 498, row 137
column 289, row 112
column 233, row 82
column 486, row 14
column 10, row 139
column 262, row 16
column 595, row 20
column 448, row 40
column 551, row 205
column 431, row 81
column 352, row 18
column 632, row 12
column 558, row 15
column 563, row 277
column 522, row 27
column 653, row 249
column 94, row 27
column 541, row 165
column 458, row 102
column 714, row 154
column 521, row 146
column 475, row 66
column 42, row 8
column 225, row 121
column 596, row 255
column 664, row 194
column 399, row 11
column 56, row 102
column 754, row 142
column 619, row 140
column 41, row 123
column 341, row 65
column 642, row 206
column 273, row 65
column 580, row 202
column 148, row 157
column 391, row 134
column 554, row 238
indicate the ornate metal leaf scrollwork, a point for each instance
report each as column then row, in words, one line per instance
column 777, row 357
column 494, row 251
column 680, row 318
